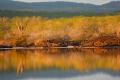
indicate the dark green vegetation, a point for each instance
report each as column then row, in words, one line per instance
column 59, row 6
column 13, row 13
column 11, row 8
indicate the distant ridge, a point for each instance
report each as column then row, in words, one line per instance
column 59, row 6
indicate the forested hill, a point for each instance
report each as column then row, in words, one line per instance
column 56, row 9
column 59, row 6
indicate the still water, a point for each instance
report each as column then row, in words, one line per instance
column 60, row 64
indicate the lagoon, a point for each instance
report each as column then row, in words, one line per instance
column 60, row 64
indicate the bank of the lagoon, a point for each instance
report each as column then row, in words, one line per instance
column 99, row 42
column 84, row 31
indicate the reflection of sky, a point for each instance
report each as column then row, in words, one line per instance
column 83, row 1
column 99, row 76
column 58, row 74
column 92, row 77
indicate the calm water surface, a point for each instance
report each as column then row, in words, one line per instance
column 60, row 64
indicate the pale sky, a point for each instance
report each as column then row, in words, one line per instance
column 83, row 1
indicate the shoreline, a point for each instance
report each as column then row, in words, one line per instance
column 57, row 48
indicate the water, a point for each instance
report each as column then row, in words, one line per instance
column 60, row 64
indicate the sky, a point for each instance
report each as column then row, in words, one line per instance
column 98, row 2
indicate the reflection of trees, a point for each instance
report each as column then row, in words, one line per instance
column 80, row 59
column 20, row 67
column 21, row 59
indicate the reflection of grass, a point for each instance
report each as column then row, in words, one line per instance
column 82, row 59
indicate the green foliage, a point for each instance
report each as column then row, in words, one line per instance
column 48, row 14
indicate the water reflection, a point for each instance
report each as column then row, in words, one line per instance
column 60, row 62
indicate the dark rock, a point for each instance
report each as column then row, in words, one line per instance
column 5, row 46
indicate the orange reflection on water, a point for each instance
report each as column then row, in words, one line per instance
column 79, row 59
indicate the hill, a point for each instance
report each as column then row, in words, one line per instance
column 56, row 9
column 59, row 6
